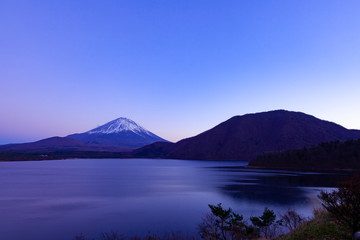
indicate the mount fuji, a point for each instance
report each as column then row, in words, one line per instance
column 114, row 139
column 121, row 133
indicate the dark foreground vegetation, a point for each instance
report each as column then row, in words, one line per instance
column 339, row 219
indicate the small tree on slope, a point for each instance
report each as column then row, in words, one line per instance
column 344, row 203
column 266, row 223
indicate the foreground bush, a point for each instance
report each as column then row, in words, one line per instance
column 344, row 203
column 323, row 226
column 225, row 224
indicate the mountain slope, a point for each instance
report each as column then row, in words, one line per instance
column 121, row 133
column 245, row 137
column 48, row 144
column 56, row 148
column 330, row 155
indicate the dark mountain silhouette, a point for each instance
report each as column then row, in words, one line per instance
column 248, row 136
column 331, row 155
column 50, row 144
column 56, row 148
column 59, row 143
column 239, row 138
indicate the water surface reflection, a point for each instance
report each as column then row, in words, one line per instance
column 58, row 199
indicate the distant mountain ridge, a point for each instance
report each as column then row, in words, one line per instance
column 110, row 140
column 248, row 136
column 51, row 143
column 243, row 137
column 121, row 132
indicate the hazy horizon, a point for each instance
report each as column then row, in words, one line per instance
column 176, row 68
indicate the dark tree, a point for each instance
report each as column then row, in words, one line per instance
column 224, row 224
column 344, row 203
column 291, row 220
column 265, row 220
column 266, row 223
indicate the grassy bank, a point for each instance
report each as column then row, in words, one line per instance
column 320, row 227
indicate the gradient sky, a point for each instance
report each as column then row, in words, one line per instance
column 175, row 67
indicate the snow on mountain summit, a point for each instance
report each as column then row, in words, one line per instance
column 121, row 133
column 120, row 125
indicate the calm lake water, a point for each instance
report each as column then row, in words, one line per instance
column 59, row 199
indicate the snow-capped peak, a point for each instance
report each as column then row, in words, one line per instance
column 120, row 125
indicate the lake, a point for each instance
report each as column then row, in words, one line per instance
column 59, row 199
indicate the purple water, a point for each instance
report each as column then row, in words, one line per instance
column 59, row 199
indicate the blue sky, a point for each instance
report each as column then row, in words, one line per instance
column 176, row 67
